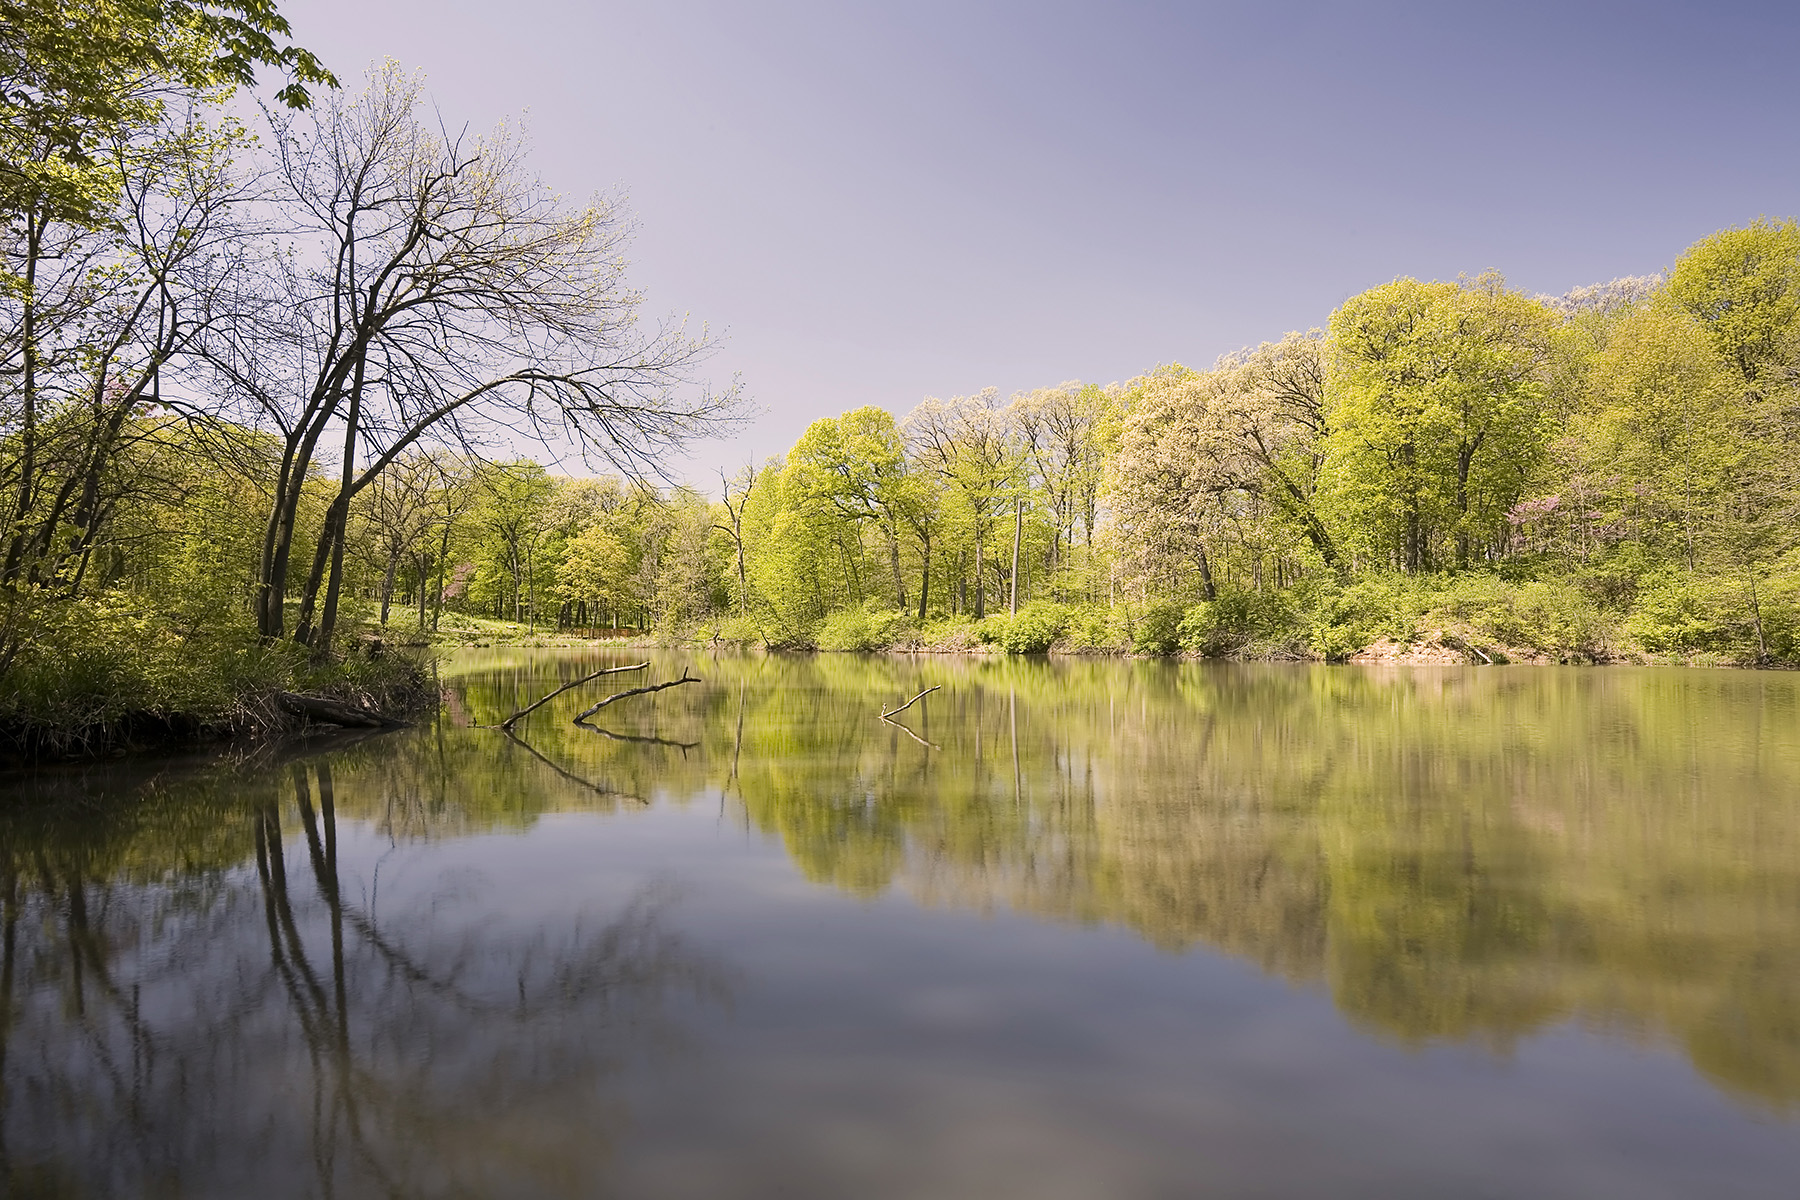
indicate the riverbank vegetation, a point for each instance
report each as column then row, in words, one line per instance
column 266, row 379
column 229, row 333
column 1441, row 472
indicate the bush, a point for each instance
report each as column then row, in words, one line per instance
column 1338, row 621
column 1035, row 629
column 1158, row 630
column 1556, row 618
column 1093, row 629
column 865, row 628
column 1238, row 619
column 94, row 669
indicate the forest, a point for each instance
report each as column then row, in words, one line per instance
column 269, row 372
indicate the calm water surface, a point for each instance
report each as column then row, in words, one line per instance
column 1074, row 930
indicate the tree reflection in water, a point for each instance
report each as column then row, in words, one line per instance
column 201, row 996
column 178, row 1020
column 1458, row 854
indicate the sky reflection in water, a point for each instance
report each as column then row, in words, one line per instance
column 1082, row 928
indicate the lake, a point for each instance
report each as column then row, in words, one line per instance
column 1061, row 929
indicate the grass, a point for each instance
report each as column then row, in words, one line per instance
column 105, row 674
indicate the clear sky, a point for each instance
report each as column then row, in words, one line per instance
column 882, row 202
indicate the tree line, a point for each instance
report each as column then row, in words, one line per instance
column 260, row 371
column 1601, row 474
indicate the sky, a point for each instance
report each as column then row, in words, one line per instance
column 878, row 203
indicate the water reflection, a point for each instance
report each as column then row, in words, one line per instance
column 1457, row 854
column 213, row 979
column 199, row 998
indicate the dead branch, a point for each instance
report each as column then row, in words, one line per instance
column 655, row 687
column 508, row 723
column 886, row 713
column 333, row 712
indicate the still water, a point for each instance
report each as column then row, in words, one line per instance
column 1068, row 929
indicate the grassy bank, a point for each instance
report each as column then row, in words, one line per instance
column 1473, row 617
column 103, row 675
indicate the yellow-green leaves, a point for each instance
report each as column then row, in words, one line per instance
column 1435, row 407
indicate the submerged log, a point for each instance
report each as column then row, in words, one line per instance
column 655, row 687
column 333, row 712
column 539, row 703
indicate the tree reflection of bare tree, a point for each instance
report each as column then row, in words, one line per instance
column 181, row 1027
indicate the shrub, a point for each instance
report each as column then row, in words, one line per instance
column 1035, row 629
column 950, row 634
column 1338, row 621
column 865, row 628
column 1093, row 629
column 991, row 629
column 1158, row 630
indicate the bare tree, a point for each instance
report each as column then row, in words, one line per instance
column 437, row 288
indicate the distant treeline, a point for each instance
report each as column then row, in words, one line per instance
column 1607, row 474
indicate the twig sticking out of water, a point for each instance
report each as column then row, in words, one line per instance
column 888, row 712
column 655, row 687
column 508, row 723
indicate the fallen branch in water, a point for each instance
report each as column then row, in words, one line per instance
column 332, row 712
column 886, row 713
column 508, row 723
column 655, row 687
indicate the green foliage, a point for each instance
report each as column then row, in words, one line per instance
column 1550, row 616
column 1341, row 620
column 1158, row 629
column 1436, row 415
column 1744, row 286
column 103, row 665
column 951, row 634
column 1035, row 629
column 1094, row 629
column 866, row 629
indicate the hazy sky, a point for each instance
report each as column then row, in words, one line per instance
column 882, row 202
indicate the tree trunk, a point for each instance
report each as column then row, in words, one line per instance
column 387, row 585
column 27, row 396
column 1018, row 533
column 980, row 584
column 1207, row 590
column 925, row 577
column 894, row 561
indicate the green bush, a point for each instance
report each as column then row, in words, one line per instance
column 1682, row 613
column 1158, row 630
column 1094, row 629
column 1553, row 617
column 1340, row 620
column 865, row 628
column 1238, row 619
column 991, row 629
column 950, row 634
column 1035, row 629
column 95, row 665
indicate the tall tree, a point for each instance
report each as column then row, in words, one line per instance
column 1435, row 407
column 442, row 290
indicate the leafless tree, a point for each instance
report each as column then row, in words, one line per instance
column 435, row 288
